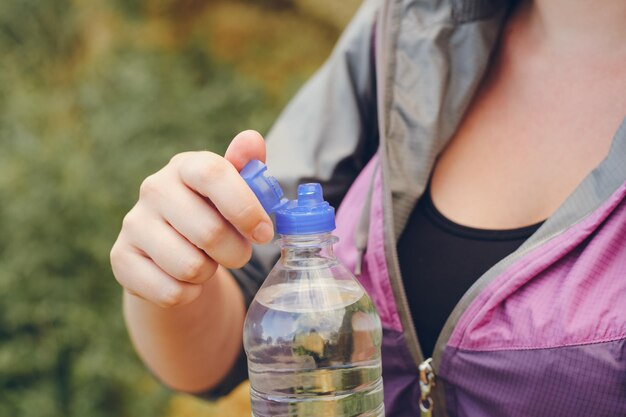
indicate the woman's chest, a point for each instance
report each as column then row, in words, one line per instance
column 530, row 136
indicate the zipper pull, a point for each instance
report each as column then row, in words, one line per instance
column 427, row 382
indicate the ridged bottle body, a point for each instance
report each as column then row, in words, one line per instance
column 313, row 338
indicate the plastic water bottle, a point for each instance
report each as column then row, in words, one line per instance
column 312, row 334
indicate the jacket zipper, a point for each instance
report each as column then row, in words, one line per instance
column 427, row 373
column 425, row 367
column 427, row 383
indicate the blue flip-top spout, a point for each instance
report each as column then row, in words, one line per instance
column 309, row 214
column 265, row 187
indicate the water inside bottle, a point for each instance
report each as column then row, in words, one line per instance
column 313, row 350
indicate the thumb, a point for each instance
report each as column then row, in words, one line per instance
column 246, row 146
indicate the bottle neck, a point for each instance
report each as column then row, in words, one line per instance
column 307, row 250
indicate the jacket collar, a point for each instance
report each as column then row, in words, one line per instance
column 431, row 56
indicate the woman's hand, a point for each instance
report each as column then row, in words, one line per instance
column 194, row 214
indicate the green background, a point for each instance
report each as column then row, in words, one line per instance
column 94, row 96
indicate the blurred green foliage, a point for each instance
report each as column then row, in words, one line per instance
column 93, row 98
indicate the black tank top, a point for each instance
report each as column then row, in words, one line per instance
column 440, row 260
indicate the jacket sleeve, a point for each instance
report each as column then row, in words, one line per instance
column 326, row 134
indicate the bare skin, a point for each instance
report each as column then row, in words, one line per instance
column 542, row 120
column 544, row 117
column 194, row 217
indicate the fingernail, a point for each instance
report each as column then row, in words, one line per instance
column 263, row 232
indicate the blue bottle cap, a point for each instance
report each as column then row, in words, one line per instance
column 266, row 188
column 309, row 214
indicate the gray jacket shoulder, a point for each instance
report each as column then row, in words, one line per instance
column 328, row 131
column 329, row 127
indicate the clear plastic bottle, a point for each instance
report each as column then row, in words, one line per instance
column 312, row 335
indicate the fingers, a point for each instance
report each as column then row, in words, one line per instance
column 195, row 213
column 202, row 225
column 246, row 146
column 172, row 252
column 217, row 179
column 142, row 277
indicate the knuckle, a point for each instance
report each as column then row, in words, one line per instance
column 192, row 268
column 115, row 254
column 172, row 297
column 131, row 223
column 119, row 263
column 214, row 169
column 128, row 222
column 150, row 187
column 179, row 158
column 212, row 234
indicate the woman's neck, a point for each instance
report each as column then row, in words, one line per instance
column 577, row 26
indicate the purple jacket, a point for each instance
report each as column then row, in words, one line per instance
column 543, row 332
